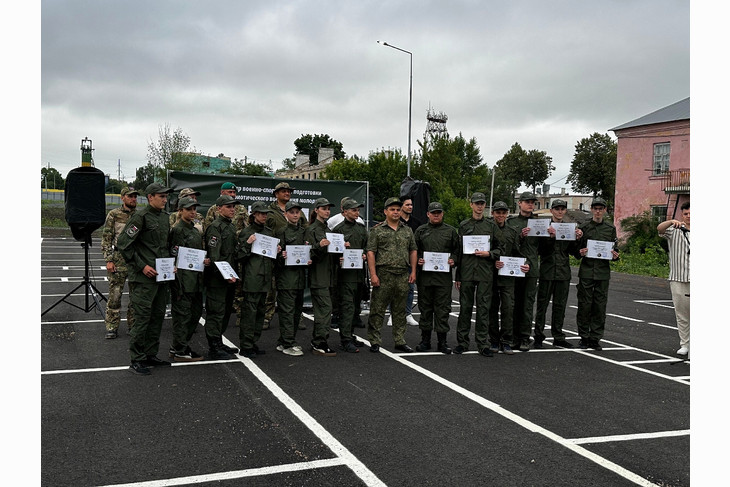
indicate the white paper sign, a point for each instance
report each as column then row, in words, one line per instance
column 598, row 249
column 564, row 231
column 265, row 245
column 436, row 262
column 337, row 243
column 538, row 227
column 226, row 270
column 297, row 254
column 512, row 266
column 472, row 243
column 165, row 268
column 352, row 259
column 190, row 259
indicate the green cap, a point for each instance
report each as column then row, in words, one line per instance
column 557, row 203
column 157, row 188
column 186, row 202
column 291, row 204
column 598, row 201
column 435, row 207
column 224, row 199
column 392, row 201
column 500, row 205
column 349, row 204
column 478, row 198
column 260, row 207
column 527, row 196
column 320, row 202
column 228, row 185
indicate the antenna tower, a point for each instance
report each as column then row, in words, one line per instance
column 435, row 124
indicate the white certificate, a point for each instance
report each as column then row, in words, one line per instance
column 512, row 266
column 472, row 243
column 436, row 262
column 190, row 259
column 265, row 245
column 538, row 227
column 297, row 254
column 564, row 231
column 598, row 249
column 352, row 259
column 226, row 270
column 337, row 243
column 165, row 268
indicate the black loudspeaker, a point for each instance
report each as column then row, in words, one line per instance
column 85, row 201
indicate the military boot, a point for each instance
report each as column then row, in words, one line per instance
column 216, row 350
column 425, row 344
column 442, row 346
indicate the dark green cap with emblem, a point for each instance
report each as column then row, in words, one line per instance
column 557, row 203
column 186, row 202
column 350, row 203
column 392, row 201
column 157, row 188
column 435, row 207
column 291, row 204
column 478, row 198
column 500, row 205
column 527, row 196
column 598, row 201
column 260, row 207
column 320, row 202
column 224, row 199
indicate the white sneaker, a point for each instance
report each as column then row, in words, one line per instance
column 411, row 320
column 280, row 348
column 390, row 321
column 683, row 351
column 293, row 351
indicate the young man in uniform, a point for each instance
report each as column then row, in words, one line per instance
column 116, row 268
column 144, row 240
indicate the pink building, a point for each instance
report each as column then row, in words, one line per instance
column 652, row 164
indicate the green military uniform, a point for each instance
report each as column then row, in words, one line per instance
column 240, row 219
column 143, row 240
column 197, row 221
column 115, row 222
column 220, row 242
column 290, row 283
column 476, row 276
column 322, row 276
column 525, row 287
column 593, row 279
column 350, row 281
column 392, row 249
column 434, row 288
column 187, row 289
column 501, row 311
column 257, row 273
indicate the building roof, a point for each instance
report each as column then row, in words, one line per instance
column 671, row 113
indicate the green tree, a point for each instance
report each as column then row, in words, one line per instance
column 248, row 168
column 510, row 170
column 51, row 179
column 593, row 169
column 349, row 169
column 287, row 164
column 309, row 144
column 115, row 186
column 146, row 175
column 538, row 167
column 171, row 151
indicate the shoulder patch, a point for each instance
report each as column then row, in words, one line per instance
column 132, row 230
column 173, row 251
column 213, row 242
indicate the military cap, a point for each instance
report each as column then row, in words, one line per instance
column 478, row 197
column 157, row 188
column 350, row 203
column 598, row 201
column 393, row 201
column 557, row 203
column 228, row 185
column 282, row 185
column 260, row 207
column 320, row 202
column 188, row 191
column 186, row 202
column 129, row 192
column 224, row 199
column 291, row 204
column 500, row 205
column 528, row 195
column 435, row 207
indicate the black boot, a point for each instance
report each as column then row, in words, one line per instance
column 425, row 344
column 442, row 346
column 216, row 350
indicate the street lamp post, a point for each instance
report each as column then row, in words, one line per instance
column 410, row 100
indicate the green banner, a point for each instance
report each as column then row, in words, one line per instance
column 258, row 188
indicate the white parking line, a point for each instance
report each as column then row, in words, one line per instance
column 638, row 436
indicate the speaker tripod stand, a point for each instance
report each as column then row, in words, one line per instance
column 90, row 290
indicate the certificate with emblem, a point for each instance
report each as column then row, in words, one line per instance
column 165, row 268
column 564, row 231
column 264, row 245
column 599, row 249
column 297, row 254
column 436, row 262
column 337, row 243
column 352, row 259
column 190, row 259
column 538, row 227
column 473, row 243
column 226, row 270
column 512, row 266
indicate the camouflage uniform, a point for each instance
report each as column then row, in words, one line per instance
column 240, row 219
column 113, row 226
column 197, row 221
column 392, row 250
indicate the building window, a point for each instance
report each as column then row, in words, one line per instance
column 661, row 159
column 315, row 175
column 659, row 213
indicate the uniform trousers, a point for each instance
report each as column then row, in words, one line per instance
column 218, row 309
column 322, row 309
column 525, row 290
column 473, row 293
column 290, row 303
column 253, row 310
column 349, row 298
column 392, row 292
column 434, row 302
column 591, row 315
column 114, row 302
column 149, row 300
column 558, row 291
column 501, row 314
column 187, row 308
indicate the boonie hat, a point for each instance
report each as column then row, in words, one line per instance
column 392, row 201
column 350, row 203
column 320, row 202
column 127, row 191
column 527, row 196
column 557, row 203
column 186, row 202
column 598, row 202
column 282, row 185
column 500, row 205
column 260, row 207
column 224, row 199
column 478, row 198
column 435, row 207
column 291, row 204
column 157, row 188
column 188, row 191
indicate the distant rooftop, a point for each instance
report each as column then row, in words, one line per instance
column 672, row 113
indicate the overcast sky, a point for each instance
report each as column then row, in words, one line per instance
column 246, row 78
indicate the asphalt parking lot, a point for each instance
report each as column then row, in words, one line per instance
column 546, row 417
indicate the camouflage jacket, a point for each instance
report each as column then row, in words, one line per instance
column 240, row 219
column 113, row 226
column 197, row 221
column 392, row 248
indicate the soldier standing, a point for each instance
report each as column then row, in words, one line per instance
column 392, row 259
column 239, row 219
column 116, row 268
column 198, row 220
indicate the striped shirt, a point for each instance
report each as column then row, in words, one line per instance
column 678, row 254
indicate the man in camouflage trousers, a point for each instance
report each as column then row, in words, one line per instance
column 391, row 257
column 115, row 266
